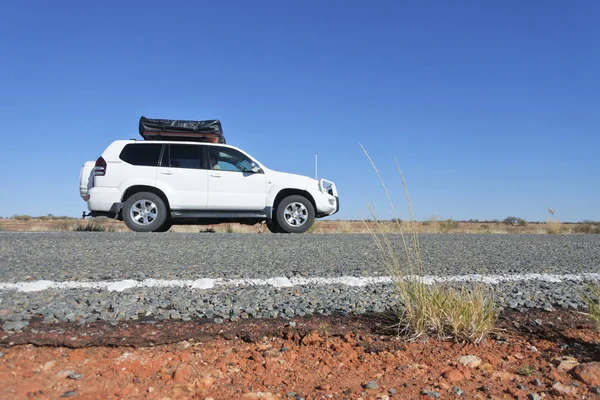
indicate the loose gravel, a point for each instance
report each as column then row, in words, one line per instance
column 89, row 256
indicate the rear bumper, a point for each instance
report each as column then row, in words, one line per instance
column 103, row 199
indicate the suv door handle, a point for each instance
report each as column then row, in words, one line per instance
column 215, row 174
column 166, row 172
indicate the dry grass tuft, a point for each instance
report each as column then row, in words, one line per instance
column 91, row 226
column 344, row 227
column 593, row 303
column 553, row 226
column 460, row 313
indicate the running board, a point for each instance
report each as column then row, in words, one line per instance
column 218, row 214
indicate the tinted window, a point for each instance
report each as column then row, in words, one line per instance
column 141, row 154
column 184, row 156
column 227, row 159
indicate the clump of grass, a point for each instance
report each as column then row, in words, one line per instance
column 593, row 303
column 525, row 370
column 448, row 225
column 460, row 313
column 91, row 226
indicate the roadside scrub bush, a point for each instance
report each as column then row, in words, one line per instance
column 460, row 312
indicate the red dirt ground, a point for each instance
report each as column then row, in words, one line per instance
column 318, row 358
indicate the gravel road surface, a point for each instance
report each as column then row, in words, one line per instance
column 100, row 256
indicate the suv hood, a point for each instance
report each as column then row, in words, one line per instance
column 298, row 181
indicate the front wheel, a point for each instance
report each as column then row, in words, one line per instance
column 295, row 214
column 144, row 212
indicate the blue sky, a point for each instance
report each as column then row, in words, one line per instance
column 491, row 108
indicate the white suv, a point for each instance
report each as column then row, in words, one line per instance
column 152, row 185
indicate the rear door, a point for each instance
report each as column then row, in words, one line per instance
column 183, row 175
column 232, row 186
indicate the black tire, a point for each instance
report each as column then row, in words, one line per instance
column 152, row 222
column 274, row 227
column 166, row 226
column 306, row 213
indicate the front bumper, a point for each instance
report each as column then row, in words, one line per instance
column 326, row 199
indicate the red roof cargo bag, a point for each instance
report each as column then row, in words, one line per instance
column 191, row 131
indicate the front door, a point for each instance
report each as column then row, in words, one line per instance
column 184, row 177
column 231, row 183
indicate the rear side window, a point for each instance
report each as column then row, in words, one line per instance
column 141, row 154
column 183, row 156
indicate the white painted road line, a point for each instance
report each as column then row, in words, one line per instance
column 282, row 282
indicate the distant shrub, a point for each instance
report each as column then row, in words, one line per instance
column 448, row 225
column 521, row 222
column 510, row 220
column 23, row 217
column 588, row 227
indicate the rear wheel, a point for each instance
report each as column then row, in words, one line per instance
column 295, row 214
column 144, row 212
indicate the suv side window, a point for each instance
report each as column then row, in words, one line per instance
column 183, row 156
column 227, row 159
column 141, row 154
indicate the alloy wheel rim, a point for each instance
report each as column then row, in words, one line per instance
column 143, row 212
column 296, row 214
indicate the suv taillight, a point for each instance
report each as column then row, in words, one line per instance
column 100, row 167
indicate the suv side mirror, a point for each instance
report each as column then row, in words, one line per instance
column 254, row 167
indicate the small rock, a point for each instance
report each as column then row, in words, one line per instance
column 538, row 321
column 536, row 382
column 503, row 376
column 534, row 396
column 311, row 338
column 284, row 349
column 371, row 385
column 522, row 387
column 182, row 373
column 75, row 376
column 382, row 396
column 595, row 389
column 292, row 324
column 324, row 386
column 14, row 326
column 559, row 389
column 290, row 394
column 392, row 391
column 259, row 395
column 565, row 364
column 272, row 353
column 588, row 373
column 70, row 393
column 218, row 320
column 533, row 349
column 458, row 391
column 469, row 361
column 453, row 375
column 1, row 354
column 428, row 393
